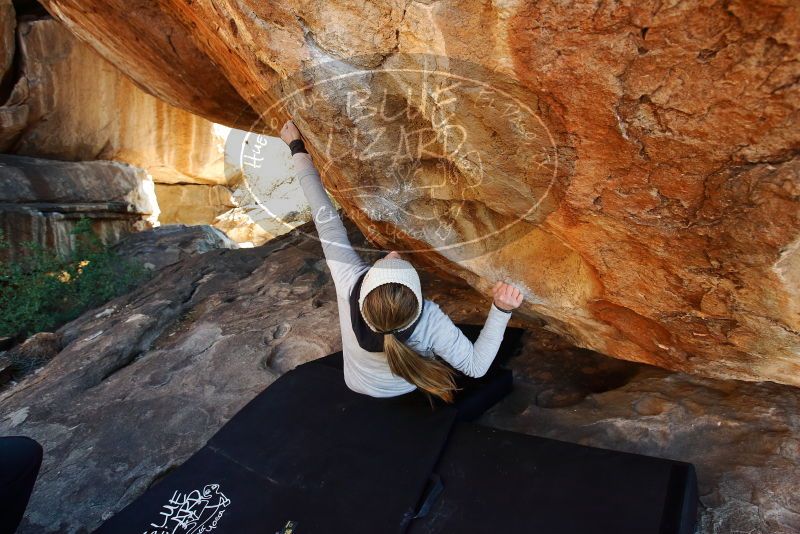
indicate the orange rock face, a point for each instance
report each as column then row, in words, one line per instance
column 632, row 166
column 68, row 103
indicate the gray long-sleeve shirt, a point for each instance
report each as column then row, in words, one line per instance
column 435, row 334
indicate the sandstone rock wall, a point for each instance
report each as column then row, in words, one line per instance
column 8, row 23
column 41, row 200
column 631, row 165
column 68, row 103
column 192, row 204
column 60, row 99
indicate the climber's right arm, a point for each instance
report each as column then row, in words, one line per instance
column 344, row 262
column 451, row 345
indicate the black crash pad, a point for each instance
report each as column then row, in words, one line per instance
column 498, row 481
column 308, row 455
column 311, row 451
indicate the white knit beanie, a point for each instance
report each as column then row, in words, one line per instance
column 391, row 270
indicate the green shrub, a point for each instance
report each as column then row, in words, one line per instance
column 42, row 289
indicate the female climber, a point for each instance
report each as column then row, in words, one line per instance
column 391, row 336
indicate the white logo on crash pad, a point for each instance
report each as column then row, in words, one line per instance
column 191, row 513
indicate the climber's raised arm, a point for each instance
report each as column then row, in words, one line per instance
column 474, row 359
column 344, row 262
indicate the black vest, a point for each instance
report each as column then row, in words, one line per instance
column 367, row 339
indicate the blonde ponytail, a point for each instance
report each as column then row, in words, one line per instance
column 391, row 307
column 429, row 375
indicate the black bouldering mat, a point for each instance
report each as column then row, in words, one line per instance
column 208, row 493
column 498, row 481
column 308, row 455
column 311, row 451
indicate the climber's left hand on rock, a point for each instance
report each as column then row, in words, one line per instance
column 289, row 132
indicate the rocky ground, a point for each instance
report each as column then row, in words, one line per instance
column 141, row 383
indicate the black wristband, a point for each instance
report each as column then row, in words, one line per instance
column 297, row 146
column 501, row 309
